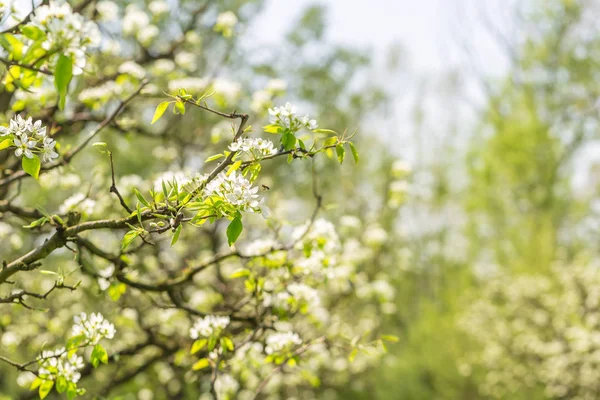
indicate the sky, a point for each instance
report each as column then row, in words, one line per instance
column 437, row 37
column 432, row 31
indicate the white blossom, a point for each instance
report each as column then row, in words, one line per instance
column 24, row 146
column 147, row 34
column 277, row 85
column 67, row 33
column 237, row 191
column 226, row 386
column 278, row 342
column 48, row 153
column 108, row 10
column 209, row 325
column 134, row 20
column 132, row 68
column 158, row 7
column 286, row 117
column 257, row 148
column 228, row 89
column 94, row 327
column 226, row 22
column 186, row 60
column 55, row 364
column 78, row 201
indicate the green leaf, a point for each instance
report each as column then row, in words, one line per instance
column 239, row 273
column 176, row 235
column 228, row 343
column 234, row 230
column 116, row 290
column 32, row 32
column 288, row 140
column 36, row 382
column 200, row 364
column 5, row 144
column 12, row 45
column 330, row 141
column 128, row 238
column 160, row 110
column 272, row 128
column 37, row 222
column 324, row 131
column 71, row 390
column 179, row 108
column 212, row 342
column 100, row 354
column 235, row 166
column 354, row 152
column 198, row 345
column 141, row 198
column 353, row 354
column 101, row 147
column 31, row 165
column 212, row 158
column 45, row 389
column 390, row 338
column 341, row 152
column 61, row 384
column 63, row 74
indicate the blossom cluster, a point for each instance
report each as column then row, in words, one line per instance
column 30, row 137
column 538, row 331
column 257, row 148
column 295, row 292
column 237, row 191
column 93, row 328
column 320, row 234
column 208, row 326
column 58, row 363
column 66, row 32
column 285, row 117
column 281, row 342
column 226, row 22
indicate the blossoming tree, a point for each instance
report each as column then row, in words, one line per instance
column 135, row 204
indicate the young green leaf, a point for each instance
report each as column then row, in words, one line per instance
column 234, row 230
column 32, row 165
column 32, row 32
column 61, row 384
column 63, row 74
column 179, row 108
column 176, row 235
column 236, row 165
column 200, row 364
column 390, row 338
column 116, row 290
column 160, row 110
column 36, row 383
column 45, row 389
column 198, row 345
column 341, row 152
column 5, row 144
column 100, row 354
column 288, row 140
column 141, row 198
column 212, row 158
column 227, row 343
column 354, row 152
column 128, row 238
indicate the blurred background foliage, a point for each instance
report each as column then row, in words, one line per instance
column 496, row 199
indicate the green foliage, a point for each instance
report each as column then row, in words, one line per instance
column 62, row 78
column 31, row 165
